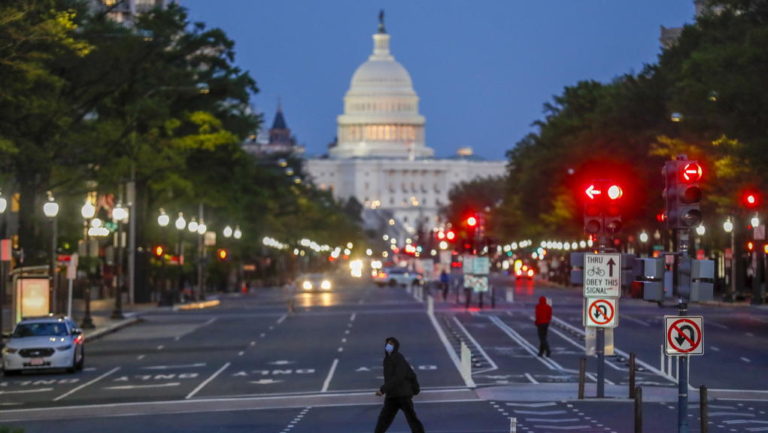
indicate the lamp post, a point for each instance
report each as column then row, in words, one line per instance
column 181, row 224
column 201, row 230
column 3, row 207
column 119, row 215
column 88, row 211
column 51, row 210
column 728, row 226
column 192, row 227
column 644, row 240
column 165, row 299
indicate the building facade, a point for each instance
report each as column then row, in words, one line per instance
column 381, row 158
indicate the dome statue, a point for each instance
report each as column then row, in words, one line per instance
column 381, row 110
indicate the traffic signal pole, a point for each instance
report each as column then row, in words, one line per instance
column 600, row 340
column 683, row 244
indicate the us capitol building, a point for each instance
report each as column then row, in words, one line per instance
column 381, row 157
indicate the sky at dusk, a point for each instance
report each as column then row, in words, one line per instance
column 482, row 68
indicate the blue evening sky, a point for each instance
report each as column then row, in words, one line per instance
column 483, row 68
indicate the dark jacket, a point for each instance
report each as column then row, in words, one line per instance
column 543, row 312
column 397, row 373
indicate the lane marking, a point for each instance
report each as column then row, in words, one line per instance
column 140, row 357
column 528, row 347
column 714, row 348
column 352, row 317
column 74, row 390
column 529, row 377
column 160, row 347
column 159, row 385
column 281, row 319
column 341, row 349
column 634, row 320
column 492, row 365
column 343, row 340
column 581, row 347
column 240, row 353
column 545, row 404
column 253, row 343
column 327, row 382
column 716, row 325
column 745, row 359
column 207, row 381
column 209, row 321
column 451, row 354
column 25, row 391
column 168, row 367
column 541, row 412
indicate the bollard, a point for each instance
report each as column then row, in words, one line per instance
column 582, row 376
column 513, row 425
column 409, row 288
column 703, row 409
column 493, row 297
column 466, row 362
column 632, row 375
column 510, row 295
column 430, row 305
column 661, row 359
column 638, row 410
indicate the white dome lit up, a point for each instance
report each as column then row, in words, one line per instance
column 381, row 110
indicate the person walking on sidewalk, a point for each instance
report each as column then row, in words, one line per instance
column 543, row 317
column 445, row 282
column 400, row 385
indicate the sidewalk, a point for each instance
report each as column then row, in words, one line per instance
column 101, row 312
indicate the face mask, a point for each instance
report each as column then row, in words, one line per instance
column 389, row 348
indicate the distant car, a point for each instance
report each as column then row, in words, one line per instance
column 525, row 272
column 396, row 277
column 314, row 283
column 48, row 342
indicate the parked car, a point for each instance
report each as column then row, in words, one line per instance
column 47, row 342
column 314, row 283
column 396, row 277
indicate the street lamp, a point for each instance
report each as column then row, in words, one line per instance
column 701, row 230
column 3, row 207
column 181, row 224
column 119, row 215
column 643, row 237
column 88, row 211
column 227, row 232
column 237, row 233
column 192, row 226
column 51, row 210
column 755, row 221
column 729, row 227
column 163, row 219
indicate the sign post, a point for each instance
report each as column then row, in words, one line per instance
column 602, row 288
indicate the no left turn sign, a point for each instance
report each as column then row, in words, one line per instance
column 601, row 313
column 683, row 335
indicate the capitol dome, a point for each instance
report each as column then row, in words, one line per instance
column 381, row 110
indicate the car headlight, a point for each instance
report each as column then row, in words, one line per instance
column 325, row 285
column 7, row 349
column 62, row 348
column 307, row 285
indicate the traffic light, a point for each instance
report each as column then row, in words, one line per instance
column 222, row 254
column 158, row 251
column 682, row 193
column 602, row 207
column 751, row 200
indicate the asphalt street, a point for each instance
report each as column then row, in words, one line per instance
column 250, row 365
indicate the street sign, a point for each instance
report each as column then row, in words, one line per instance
column 602, row 275
column 601, row 313
column 468, row 264
column 476, row 283
column 683, row 335
column 482, row 266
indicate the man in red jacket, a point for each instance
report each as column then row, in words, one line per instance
column 543, row 317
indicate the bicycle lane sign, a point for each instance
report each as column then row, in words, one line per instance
column 602, row 275
column 683, row 335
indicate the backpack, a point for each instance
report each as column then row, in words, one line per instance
column 415, row 387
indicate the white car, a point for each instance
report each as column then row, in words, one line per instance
column 396, row 277
column 39, row 343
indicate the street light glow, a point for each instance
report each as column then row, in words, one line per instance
column 755, row 221
column 643, row 237
column 180, row 222
column 163, row 219
column 3, row 204
column 728, row 226
column 701, row 230
column 237, row 233
column 192, row 226
column 50, row 208
column 119, row 213
column 202, row 228
column 227, row 232
column 88, row 210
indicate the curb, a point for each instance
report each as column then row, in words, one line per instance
column 112, row 328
